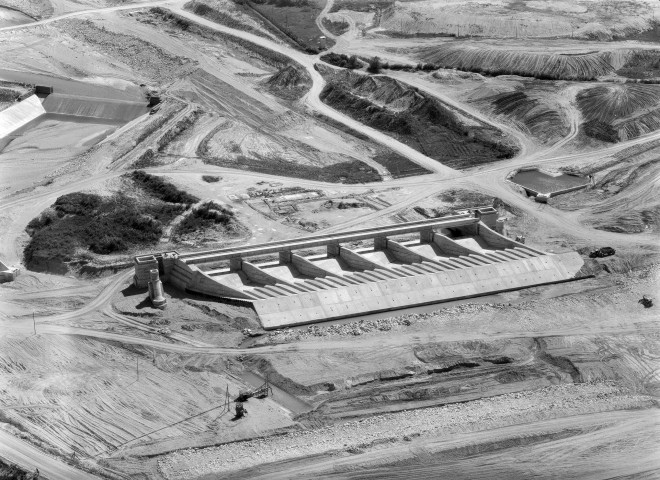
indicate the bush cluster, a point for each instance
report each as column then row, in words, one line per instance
column 205, row 216
column 374, row 65
column 102, row 224
column 182, row 23
column 211, row 178
column 161, row 189
column 336, row 27
column 341, row 60
column 343, row 172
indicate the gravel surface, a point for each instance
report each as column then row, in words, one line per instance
column 546, row 403
column 366, row 326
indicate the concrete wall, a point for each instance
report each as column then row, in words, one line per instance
column 98, row 108
column 17, row 116
column 446, row 244
column 357, row 261
column 568, row 190
column 308, row 268
column 257, row 275
column 494, row 239
column 416, row 290
column 202, row 283
column 500, row 241
column 402, row 253
column 181, row 274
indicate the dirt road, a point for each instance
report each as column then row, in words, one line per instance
column 37, row 23
column 559, row 448
column 22, row 453
column 312, row 100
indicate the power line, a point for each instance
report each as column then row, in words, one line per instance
column 225, row 406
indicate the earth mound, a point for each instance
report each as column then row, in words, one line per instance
column 290, row 82
column 416, row 119
column 541, row 65
column 619, row 112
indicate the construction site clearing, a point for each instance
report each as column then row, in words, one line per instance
column 330, row 238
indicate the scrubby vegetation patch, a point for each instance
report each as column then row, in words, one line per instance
column 102, row 225
column 211, row 178
column 161, row 189
column 341, row 60
column 205, row 216
column 343, row 172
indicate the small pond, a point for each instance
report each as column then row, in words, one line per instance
column 541, row 182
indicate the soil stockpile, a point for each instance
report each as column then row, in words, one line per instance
column 620, row 112
column 291, row 82
column 416, row 119
column 544, row 66
column 143, row 57
column 533, row 107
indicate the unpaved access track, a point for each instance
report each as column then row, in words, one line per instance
column 22, row 453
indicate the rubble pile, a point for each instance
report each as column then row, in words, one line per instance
column 549, row 402
column 361, row 327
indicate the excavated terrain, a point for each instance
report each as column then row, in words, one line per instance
column 515, row 19
column 615, row 112
column 501, row 61
column 624, row 198
column 533, row 107
column 416, row 119
column 193, row 126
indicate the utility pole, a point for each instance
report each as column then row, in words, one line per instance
column 34, row 323
column 137, row 367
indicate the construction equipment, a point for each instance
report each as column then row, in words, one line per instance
column 241, row 411
column 260, row 392
column 602, row 252
column 646, row 302
column 249, row 333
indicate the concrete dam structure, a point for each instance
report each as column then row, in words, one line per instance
column 448, row 258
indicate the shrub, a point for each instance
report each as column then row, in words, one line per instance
column 77, row 204
column 344, row 172
column 205, row 216
column 162, row 189
column 341, row 60
column 103, row 225
column 210, row 178
column 374, row 65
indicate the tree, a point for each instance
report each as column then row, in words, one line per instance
column 374, row 65
column 353, row 62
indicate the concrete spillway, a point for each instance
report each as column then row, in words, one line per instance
column 119, row 111
column 69, row 107
column 19, row 115
column 472, row 260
